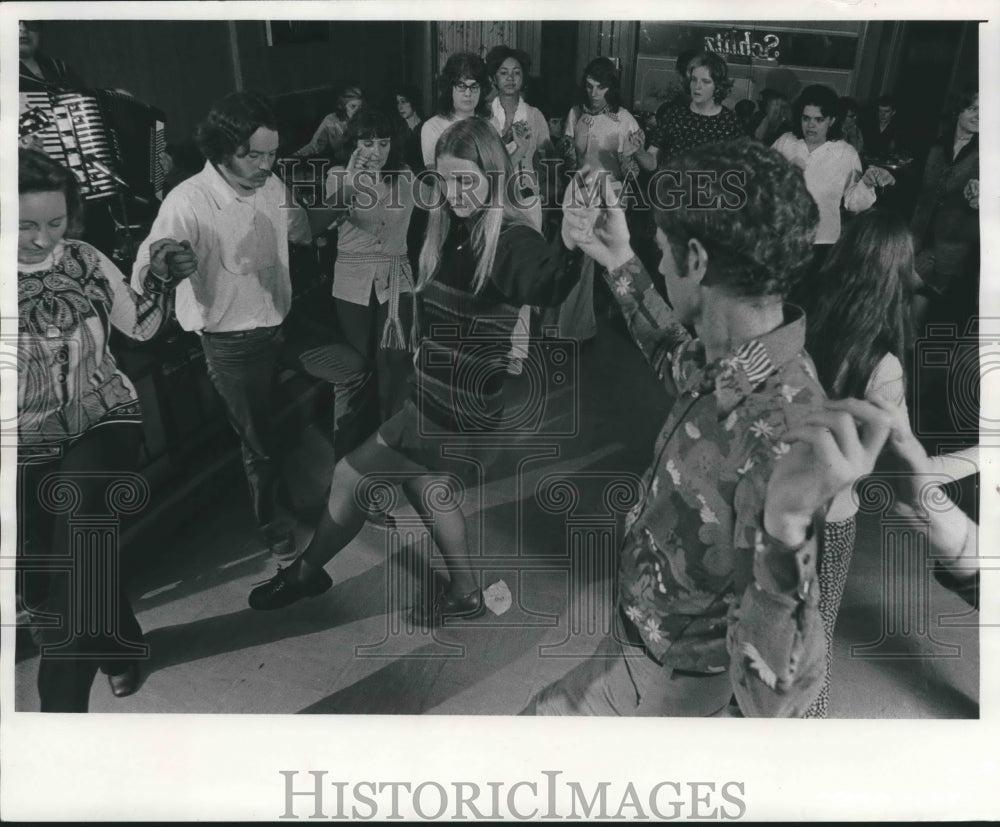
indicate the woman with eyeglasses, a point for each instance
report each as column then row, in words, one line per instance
column 462, row 94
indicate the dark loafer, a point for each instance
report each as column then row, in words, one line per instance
column 126, row 683
column 284, row 589
column 450, row 608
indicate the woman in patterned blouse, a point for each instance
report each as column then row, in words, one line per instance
column 78, row 416
column 702, row 121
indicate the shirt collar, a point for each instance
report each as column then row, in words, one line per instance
column 499, row 116
column 733, row 377
column 220, row 190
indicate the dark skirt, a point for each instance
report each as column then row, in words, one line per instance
column 468, row 457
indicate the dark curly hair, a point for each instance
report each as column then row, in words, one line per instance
column 824, row 99
column 759, row 245
column 37, row 172
column 230, row 124
column 460, row 67
column 411, row 94
column 370, row 123
column 498, row 54
column 717, row 68
column 604, row 72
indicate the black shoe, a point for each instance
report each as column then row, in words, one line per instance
column 126, row 683
column 446, row 607
column 284, row 589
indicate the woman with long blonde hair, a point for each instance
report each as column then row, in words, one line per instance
column 480, row 262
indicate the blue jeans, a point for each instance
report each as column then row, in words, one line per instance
column 242, row 367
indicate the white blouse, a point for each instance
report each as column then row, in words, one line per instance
column 833, row 176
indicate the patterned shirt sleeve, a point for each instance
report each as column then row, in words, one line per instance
column 776, row 643
column 138, row 316
column 651, row 322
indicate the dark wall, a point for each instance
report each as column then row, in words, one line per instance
column 180, row 67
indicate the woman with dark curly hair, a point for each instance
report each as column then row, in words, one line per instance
column 703, row 120
column 78, row 419
column 331, row 134
column 462, row 91
column 831, row 166
column 372, row 278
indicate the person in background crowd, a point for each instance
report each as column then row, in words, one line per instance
column 774, row 118
column 481, row 261
column 407, row 99
column 463, row 85
column 37, row 72
column 525, row 133
column 945, row 222
column 79, row 420
column 857, row 333
column 600, row 134
column 331, row 134
column 883, row 135
column 716, row 580
column 848, row 113
column 681, row 94
column 704, row 120
column 746, row 111
column 832, row 171
column 236, row 220
column 372, row 279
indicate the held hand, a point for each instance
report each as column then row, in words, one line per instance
column 971, row 193
column 634, row 142
column 878, row 177
column 521, row 132
column 909, row 455
column 593, row 221
column 172, row 261
column 829, row 452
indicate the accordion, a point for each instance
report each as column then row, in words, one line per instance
column 111, row 141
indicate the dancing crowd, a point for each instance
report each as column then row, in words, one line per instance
column 780, row 323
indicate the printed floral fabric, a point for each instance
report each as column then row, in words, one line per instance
column 695, row 544
column 68, row 380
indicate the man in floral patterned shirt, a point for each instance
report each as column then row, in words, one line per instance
column 717, row 593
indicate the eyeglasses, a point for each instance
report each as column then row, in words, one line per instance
column 471, row 88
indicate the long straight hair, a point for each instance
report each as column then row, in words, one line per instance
column 474, row 140
column 862, row 310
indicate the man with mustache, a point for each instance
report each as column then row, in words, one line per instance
column 228, row 229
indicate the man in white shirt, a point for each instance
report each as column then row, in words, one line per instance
column 232, row 222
